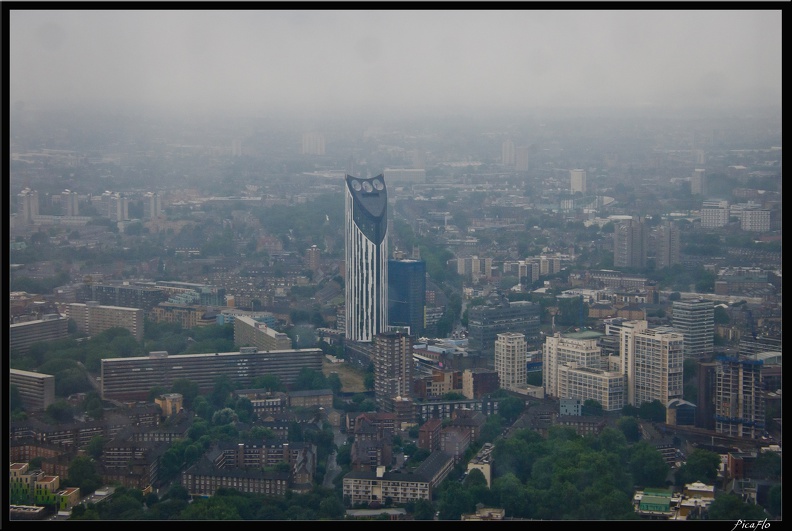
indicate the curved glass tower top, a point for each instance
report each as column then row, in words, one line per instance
column 366, row 226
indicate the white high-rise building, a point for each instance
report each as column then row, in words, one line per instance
column 366, row 258
column 698, row 182
column 587, row 383
column 577, row 180
column 313, row 144
column 695, row 319
column 393, row 368
column 511, row 358
column 714, row 214
column 27, row 206
column 652, row 361
column 739, row 398
column 152, row 205
column 755, row 220
column 508, row 153
column 70, row 203
column 558, row 350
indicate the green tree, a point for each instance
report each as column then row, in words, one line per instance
column 730, row 507
column 82, row 473
column 270, row 382
column 14, row 399
column 424, row 510
column 592, row 408
column 701, row 465
column 630, row 428
column 455, row 501
column 654, row 411
column 647, row 466
column 510, row 408
column 221, row 391
column 96, row 446
column 188, row 389
column 774, row 501
column 60, row 411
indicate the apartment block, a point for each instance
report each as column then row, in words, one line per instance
column 92, row 318
column 36, row 390
column 251, row 333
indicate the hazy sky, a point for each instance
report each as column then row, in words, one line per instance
column 312, row 59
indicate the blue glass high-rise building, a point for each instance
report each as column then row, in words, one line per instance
column 407, row 294
column 366, row 238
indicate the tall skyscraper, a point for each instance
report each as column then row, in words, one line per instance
column 508, row 157
column 695, row 319
column 152, row 205
column 313, row 258
column 522, row 158
column 577, row 180
column 739, row 399
column 511, row 358
column 69, row 203
column 666, row 245
column 407, row 294
column 313, row 143
column 498, row 316
column 393, row 368
column 27, row 205
column 698, row 182
column 629, row 244
column 652, row 361
column 366, row 258
column 558, row 351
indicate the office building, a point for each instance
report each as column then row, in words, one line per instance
column 698, row 182
column 193, row 293
column 695, row 319
column 393, row 368
column 755, row 220
column 313, row 143
column 70, row 203
column 313, row 257
column 739, row 399
column 152, row 205
column 666, row 245
column 497, row 316
column 630, row 244
column 577, row 180
column 522, row 158
column 407, row 295
column 577, row 349
column 48, row 328
column 589, row 383
column 236, row 147
column 36, row 390
column 126, row 295
column 714, row 214
column 474, row 267
column 508, row 153
column 478, row 382
column 93, row 318
column 511, row 358
column 251, row 333
column 27, row 206
column 706, row 393
column 366, row 258
column 651, row 360
column 133, row 378
column 116, row 205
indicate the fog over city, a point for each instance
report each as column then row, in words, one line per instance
column 346, row 60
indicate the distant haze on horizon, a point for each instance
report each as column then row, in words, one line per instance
column 336, row 60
